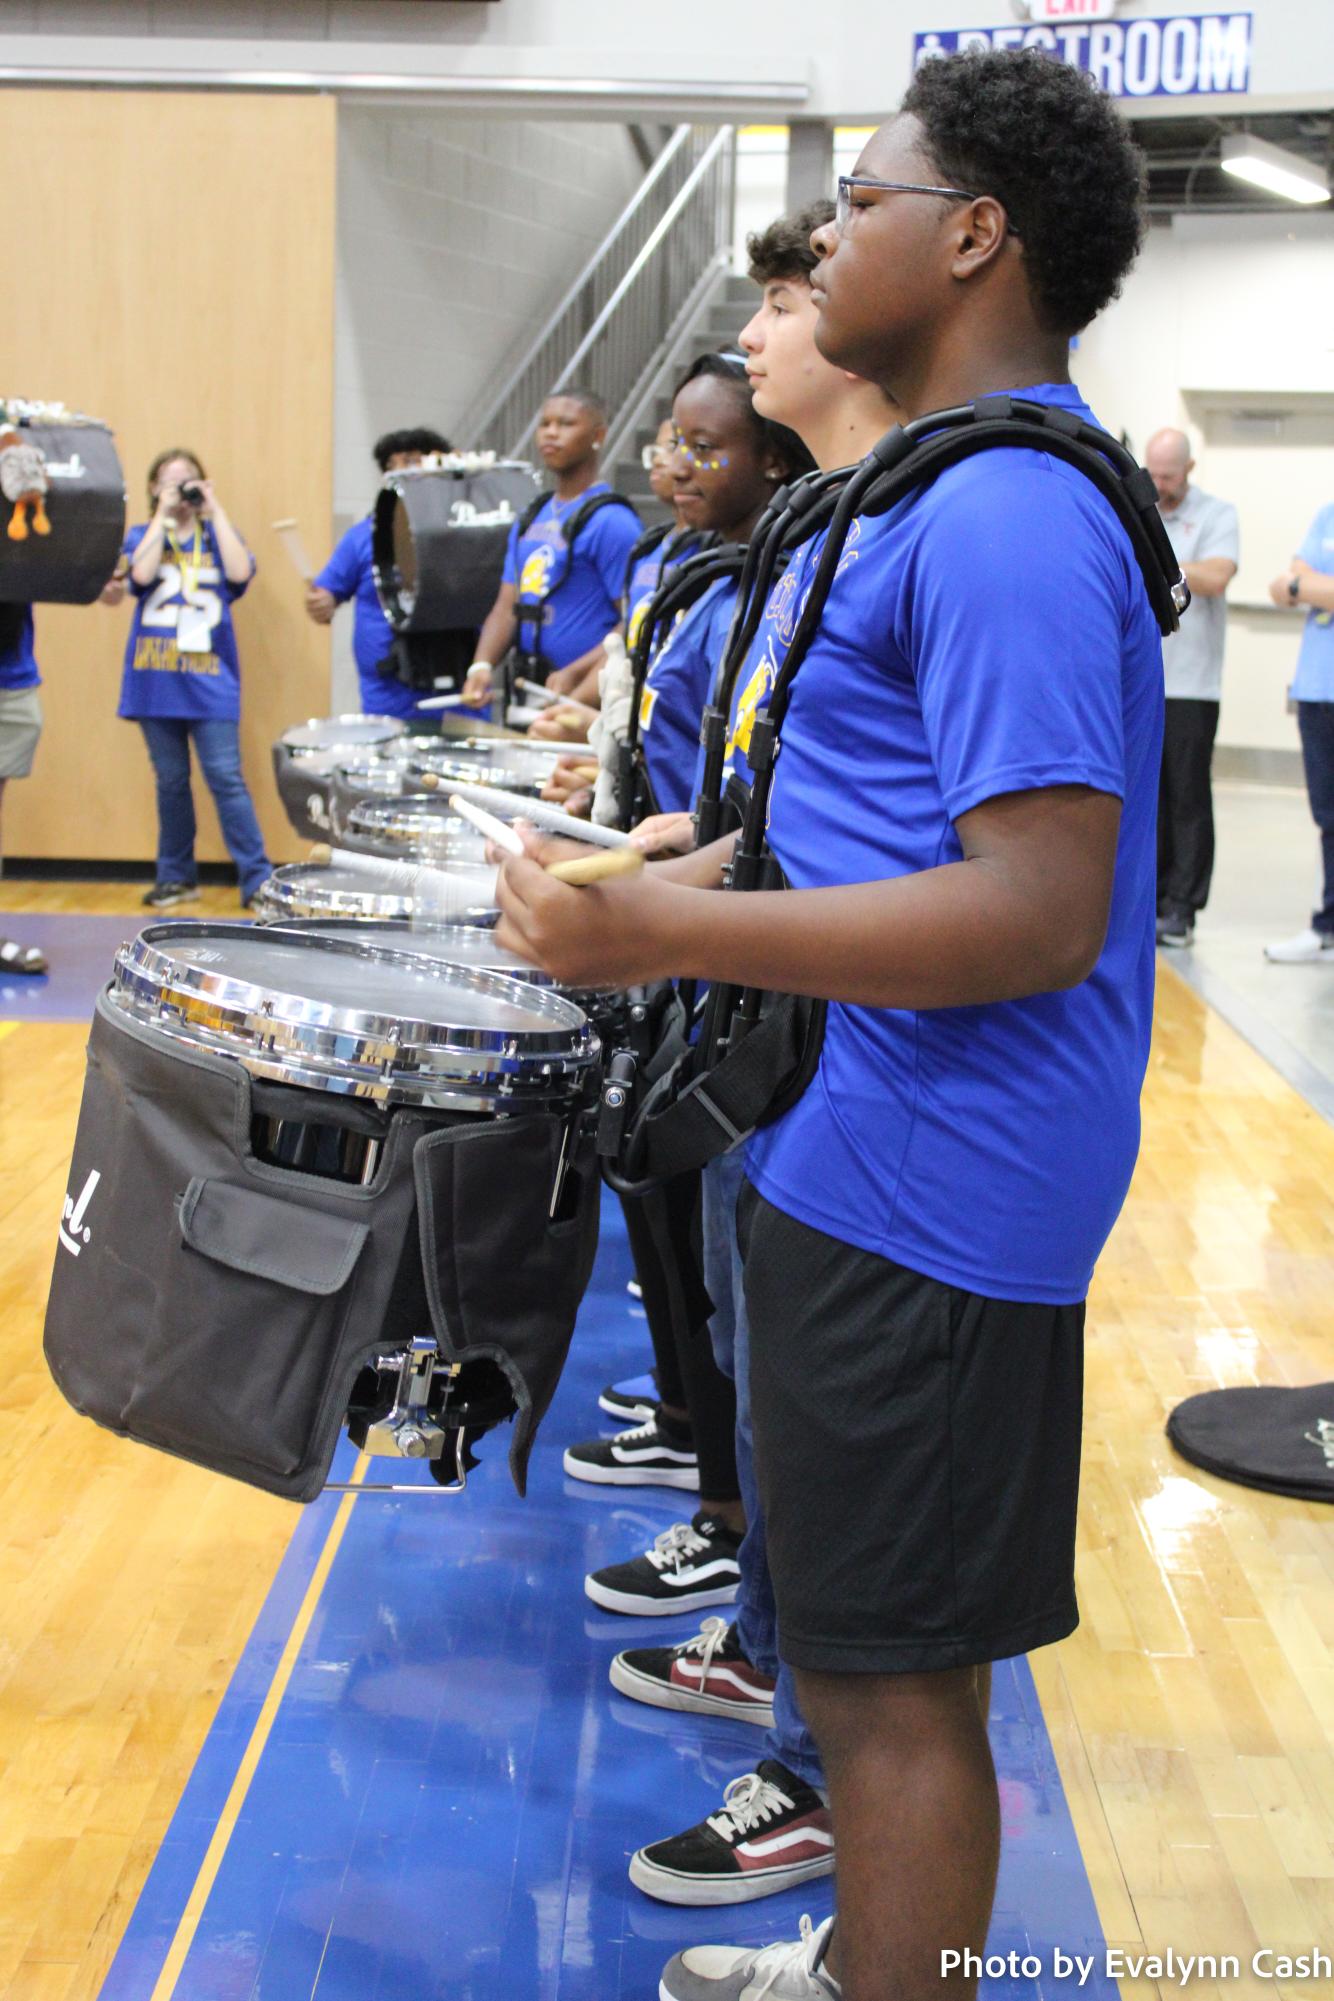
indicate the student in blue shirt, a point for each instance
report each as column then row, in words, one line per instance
column 659, row 548
column 728, row 460
column 350, row 573
column 738, row 1672
column 20, row 727
column 558, row 602
column 182, row 680
column 1307, row 586
column 965, row 805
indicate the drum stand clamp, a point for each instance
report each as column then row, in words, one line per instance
column 408, row 1429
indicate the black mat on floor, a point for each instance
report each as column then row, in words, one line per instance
column 1279, row 1439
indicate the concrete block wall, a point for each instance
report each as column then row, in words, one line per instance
column 456, row 237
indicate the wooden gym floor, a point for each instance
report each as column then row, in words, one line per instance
column 1192, row 1715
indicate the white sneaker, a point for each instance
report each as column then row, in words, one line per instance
column 788, row 1972
column 1303, row 950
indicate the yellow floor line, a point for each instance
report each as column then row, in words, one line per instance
column 254, row 1751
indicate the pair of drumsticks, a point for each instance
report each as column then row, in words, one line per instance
column 613, row 854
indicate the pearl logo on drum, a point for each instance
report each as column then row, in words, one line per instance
column 466, row 514
column 74, row 1233
column 1323, row 1436
column 71, row 468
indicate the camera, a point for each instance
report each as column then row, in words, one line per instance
column 193, row 492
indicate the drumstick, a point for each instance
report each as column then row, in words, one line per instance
column 597, row 868
column 551, row 820
column 443, row 702
column 290, row 536
column 444, row 894
column 546, row 699
column 416, row 879
column 487, row 823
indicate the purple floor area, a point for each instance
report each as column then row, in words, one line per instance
column 80, row 950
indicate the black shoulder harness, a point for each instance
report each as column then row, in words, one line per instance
column 719, row 1091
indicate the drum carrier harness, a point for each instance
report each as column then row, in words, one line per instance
column 755, row 1052
column 675, row 596
column 524, row 659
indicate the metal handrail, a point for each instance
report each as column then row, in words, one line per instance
column 624, row 220
column 611, row 323
column 675, row 207
column 638, row 407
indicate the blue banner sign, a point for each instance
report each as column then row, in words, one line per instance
column 1176, row 55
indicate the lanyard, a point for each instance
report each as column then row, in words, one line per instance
column 189, row 570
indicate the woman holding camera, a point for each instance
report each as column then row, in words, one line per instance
column 182, row 676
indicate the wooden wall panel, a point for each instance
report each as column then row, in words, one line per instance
column 172, row 270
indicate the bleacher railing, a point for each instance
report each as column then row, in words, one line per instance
column 611, row 327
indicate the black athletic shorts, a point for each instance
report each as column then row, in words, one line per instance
column 917, row 1451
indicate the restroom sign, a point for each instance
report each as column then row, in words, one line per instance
column 1176, row 55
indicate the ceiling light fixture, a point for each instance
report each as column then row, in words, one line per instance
column 1274, row 169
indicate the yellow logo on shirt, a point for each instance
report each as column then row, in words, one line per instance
column 153, row 655
column 749, row 706
column 648, row 701
column 535, row 577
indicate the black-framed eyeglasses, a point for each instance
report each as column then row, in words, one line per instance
column 847, row 182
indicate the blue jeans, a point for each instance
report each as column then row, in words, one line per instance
column 1315, row 720
column 756, row 1613
column 218, row 748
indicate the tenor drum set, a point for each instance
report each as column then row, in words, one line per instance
column 336, row 1167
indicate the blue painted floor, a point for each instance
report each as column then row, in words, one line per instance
column 449, row 1797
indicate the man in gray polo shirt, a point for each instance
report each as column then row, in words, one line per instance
column 1203, row 532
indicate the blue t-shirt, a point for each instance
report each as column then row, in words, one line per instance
column 755, row 680
column 649, row 574
column 1314, row 679
column 189, row 598
column 676, row 692
column 350, row 573
column 18, row 666
column 990, row 634
column 576, row 593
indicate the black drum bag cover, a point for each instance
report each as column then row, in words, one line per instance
column 438, row 542
column 304, row 785
column 85, row 506
column 220, row 1308
column 1265, row 1436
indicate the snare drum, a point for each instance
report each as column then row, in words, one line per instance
column 456, row 944
column 419, row 826
column 303, row 889
column 460, row 945
column 305, row 757
column 511, row 767
column 331, row 1184
column 329, row 1015
column 369, row 778
column 323, row 734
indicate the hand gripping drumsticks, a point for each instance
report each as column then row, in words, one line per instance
column 514, row 806
column 445, row 892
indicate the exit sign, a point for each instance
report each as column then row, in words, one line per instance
column 1065, row 10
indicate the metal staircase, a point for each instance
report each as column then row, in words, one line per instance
column 713, row 327
column 643, row 300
